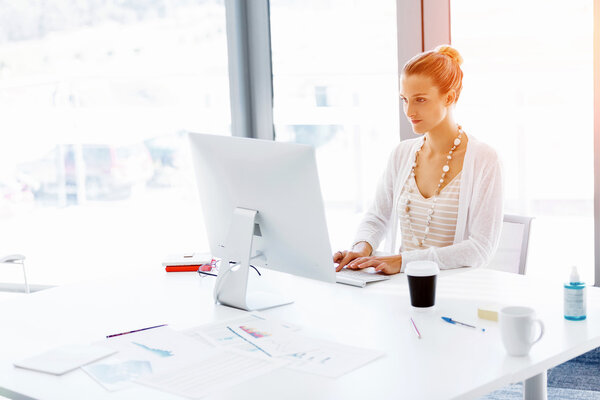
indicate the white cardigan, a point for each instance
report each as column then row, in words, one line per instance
column 479, row 208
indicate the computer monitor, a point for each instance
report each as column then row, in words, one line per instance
column 262, row 206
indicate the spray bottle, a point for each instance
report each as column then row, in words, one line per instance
column 575, row 297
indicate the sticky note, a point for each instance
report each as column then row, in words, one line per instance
column 488, row 311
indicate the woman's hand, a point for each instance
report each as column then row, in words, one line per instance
column 360, row 257
column 388, row 265
column 359, row 250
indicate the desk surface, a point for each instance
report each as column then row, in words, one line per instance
column 448, row 362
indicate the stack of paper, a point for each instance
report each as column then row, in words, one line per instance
column 173, row 362
column 205, row 359
column 273, row 339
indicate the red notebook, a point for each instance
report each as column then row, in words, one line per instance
column 182, row 268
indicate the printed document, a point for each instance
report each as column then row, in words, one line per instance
column 270, row 338
column 145, row 353
column 220, row 334
column 215, row 371
column 173, row 362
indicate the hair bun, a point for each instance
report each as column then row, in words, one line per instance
column 450, row 52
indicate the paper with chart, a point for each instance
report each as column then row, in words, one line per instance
column 145, row 353
column 304, row 353
column 271, row 339
column 173, row 362
column 331, row 359
column 307, row 354
column 221, row 334
column 117, row 373
column 215, row 371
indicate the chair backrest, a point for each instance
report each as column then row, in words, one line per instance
column 511, row 255
column 15, row 259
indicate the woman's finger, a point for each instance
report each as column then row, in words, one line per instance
column 348, row 256
column 356, row 261
column 338, row 256
column 373, row 262
column 383, row 267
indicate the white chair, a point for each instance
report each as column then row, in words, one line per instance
column 511, row 255
column 16, row 259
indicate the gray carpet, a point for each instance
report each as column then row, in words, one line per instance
column 582, row 373
column 515, row 392
column 577, row 379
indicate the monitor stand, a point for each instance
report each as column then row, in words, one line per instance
column 231, row 287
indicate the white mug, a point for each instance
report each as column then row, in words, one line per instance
column 517, row 328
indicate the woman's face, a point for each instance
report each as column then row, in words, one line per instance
column 424, row 105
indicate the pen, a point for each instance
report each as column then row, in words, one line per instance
column 415, row 326
column 451, row 321
column 137, row 330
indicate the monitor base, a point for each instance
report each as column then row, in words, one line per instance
column 231, row 287
column 260, row 300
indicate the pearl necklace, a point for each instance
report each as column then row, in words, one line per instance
column 405, row 200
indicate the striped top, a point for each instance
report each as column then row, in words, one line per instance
column 443, row 222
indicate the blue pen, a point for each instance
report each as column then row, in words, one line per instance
column 451, row 321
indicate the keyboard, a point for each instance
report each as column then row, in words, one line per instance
column 358, row 278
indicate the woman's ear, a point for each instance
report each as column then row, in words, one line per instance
column 450, row 97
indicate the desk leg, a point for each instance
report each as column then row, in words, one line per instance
column 536, row 387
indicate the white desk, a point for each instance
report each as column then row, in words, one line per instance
column 448, row 362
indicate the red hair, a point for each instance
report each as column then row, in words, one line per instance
column 442, row 65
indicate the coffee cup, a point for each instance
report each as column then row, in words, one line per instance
column 422, row 280
column 517, row 329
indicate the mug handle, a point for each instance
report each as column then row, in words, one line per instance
column 541, row 324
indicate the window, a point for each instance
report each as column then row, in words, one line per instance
column 96, row 99
column 529, row 93
column 335, row 87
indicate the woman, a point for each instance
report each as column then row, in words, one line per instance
column 442, row 190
